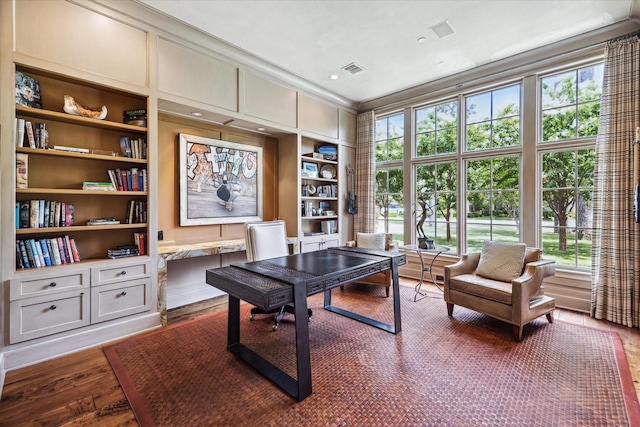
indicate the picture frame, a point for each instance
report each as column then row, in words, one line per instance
column 221, row 182
column 310, row 169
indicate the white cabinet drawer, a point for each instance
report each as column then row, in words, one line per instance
column 120, row 299
column 104, row 275
column 49, row 314
column 21, row 288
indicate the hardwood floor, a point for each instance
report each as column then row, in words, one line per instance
column 81, row 389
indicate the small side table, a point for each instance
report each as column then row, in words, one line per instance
column 436, row 252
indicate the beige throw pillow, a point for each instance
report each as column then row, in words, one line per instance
column 371, row 241
column 501, row 261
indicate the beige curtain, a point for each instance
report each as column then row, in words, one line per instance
column 616, row 240
column 364, row 220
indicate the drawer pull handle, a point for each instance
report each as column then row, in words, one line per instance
column 53, row 307
column 53, row 284
column 123, row 293
column 123, row 272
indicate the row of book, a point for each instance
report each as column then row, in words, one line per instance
column 28, row 134
column 32, row 253
column 136, row 212
column 133, row 179
column 40, row 213
column 133, row 148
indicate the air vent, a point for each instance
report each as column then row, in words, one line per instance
column 442, row 29
column 353, row 68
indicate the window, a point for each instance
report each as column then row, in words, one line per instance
column 390, row 203
column 493, row 119
column 389, row 175
column 437, row 190
column 571, row 103
column 390, row 138
column 492, row 201
column 570, row 112
column 437, row 129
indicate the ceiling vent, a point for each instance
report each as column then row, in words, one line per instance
column 442, row 29
column 353, row 68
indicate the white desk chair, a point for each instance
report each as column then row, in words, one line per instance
column 264, row 240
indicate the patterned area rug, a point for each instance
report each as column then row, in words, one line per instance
column 439, row 371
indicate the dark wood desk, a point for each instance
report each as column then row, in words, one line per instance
column 273, row 282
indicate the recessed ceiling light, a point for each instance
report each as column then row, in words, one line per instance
column 196, row 114
column 334, row 77
column 422, row 40
column 261, row 129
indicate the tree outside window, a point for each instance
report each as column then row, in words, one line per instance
column 492, row 201
column 390, row 138
column 567, row 193
column 437, row 129
column 493, row 119
column 437, row 186
column 389, row 202
column 571, row 103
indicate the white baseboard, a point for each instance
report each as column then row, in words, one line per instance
column 2, row 373
column 25, row 354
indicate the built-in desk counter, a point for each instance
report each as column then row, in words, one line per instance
column 167, row 253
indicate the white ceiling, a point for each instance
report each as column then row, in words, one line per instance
column 316, row 38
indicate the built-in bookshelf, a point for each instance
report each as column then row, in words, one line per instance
column 96, row 166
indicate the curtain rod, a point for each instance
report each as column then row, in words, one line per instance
column 624, row 37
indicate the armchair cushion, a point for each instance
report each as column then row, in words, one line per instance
column 501, row 261
column 372, row 241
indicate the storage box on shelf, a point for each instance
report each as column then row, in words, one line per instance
column 89, row 154
column 319, row 191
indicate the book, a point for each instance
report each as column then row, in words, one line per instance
column 74, row 250
column 56, row 218
column 125, row 146
column 19, row 132
column 45, row 252
column 41, row 213
column 68, row 214
column 61, row 248
column 68, row 252
column 27, row 91
column 30, row 134
column 22, row 170
column 103, row 221
column 136, row 117
column 34, row 207
column 56, row 251
column 25, row 209
column 38, row 253
column 42, row 135
column 47, row 209
column 98, row 186
column 23, row 252
column 70, row 149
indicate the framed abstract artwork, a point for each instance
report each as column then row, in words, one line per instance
column 220, row 181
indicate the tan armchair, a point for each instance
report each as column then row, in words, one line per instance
column 380, row 241
column 469, row 283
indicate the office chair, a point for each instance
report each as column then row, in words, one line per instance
column 264, row 240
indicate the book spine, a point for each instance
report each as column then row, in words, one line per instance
column 45, row 252
column 52, row 213
column 74, row 250
column 41, row 213
column 69, row 213
column 20, row 132
column 30, row 134
column 56, row 220
column 47, row 209
column 61, row 246
column 68, row 252
column 33, row 213
column 56, row 251
column 23, row 252
column 34, row 253
column 22, row 170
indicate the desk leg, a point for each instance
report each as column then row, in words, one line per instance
column 397, row 318
column 303, row 351
column 233, row 322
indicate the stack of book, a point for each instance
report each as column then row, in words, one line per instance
column 98, row 186
column 133, row 179
column 123, row 252
column 135, row 148
column 103, row 221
